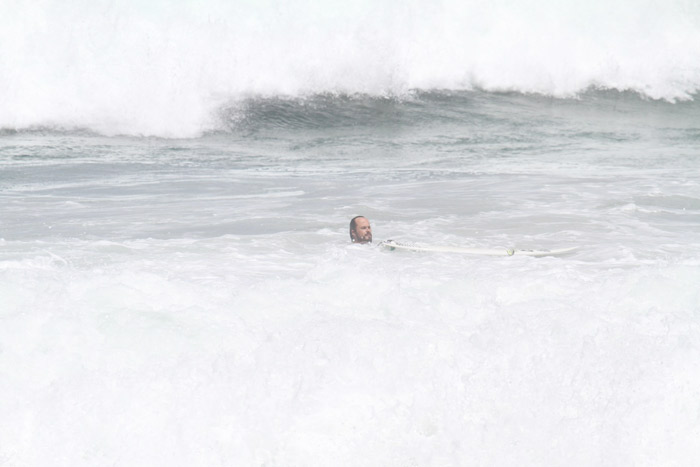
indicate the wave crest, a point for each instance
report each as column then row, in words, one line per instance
column 164, row 70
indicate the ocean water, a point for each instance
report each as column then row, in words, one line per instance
column 177, row 285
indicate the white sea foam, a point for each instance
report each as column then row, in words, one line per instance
column 161, row 69
column 197, row 301
column 191, row 305
column 213, row 351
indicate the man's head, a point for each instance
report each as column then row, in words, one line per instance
column 360, row 230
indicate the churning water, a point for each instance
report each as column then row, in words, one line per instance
column 177, row 285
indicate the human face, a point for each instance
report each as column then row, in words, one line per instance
column 362, row 233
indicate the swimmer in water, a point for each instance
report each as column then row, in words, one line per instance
column 360, row 230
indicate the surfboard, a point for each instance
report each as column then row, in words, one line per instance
column 394, row 245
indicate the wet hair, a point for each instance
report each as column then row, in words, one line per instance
column 353, row 224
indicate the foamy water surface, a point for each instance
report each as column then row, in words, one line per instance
column 197, row 302
column 177, row 285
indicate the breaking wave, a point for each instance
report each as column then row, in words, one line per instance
column 152, row 68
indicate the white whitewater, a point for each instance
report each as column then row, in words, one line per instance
column 154, row 68
column 177, row 285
